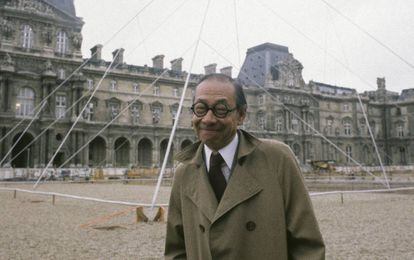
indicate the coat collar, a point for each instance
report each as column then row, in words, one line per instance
column 242, row 184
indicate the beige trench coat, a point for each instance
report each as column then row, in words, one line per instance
column 265, row 211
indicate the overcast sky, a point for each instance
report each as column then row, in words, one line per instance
column 313, row 32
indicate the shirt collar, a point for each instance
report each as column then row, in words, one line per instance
column 226, row 152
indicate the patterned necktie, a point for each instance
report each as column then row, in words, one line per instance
column 215, row 175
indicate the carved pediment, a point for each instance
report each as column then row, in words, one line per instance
column 39, row 7
column 289, row 72
column 33, row 6
column 113, row 100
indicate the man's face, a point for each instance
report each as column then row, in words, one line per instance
column 213, row 131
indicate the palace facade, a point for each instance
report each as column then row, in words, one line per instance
column 128, row 120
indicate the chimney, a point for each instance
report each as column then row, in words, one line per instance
column 96, row 52
column 120, row 58
column 177, row 65
column 210, row 69
column 158, row 61
column 226, row 71
column 381, row 83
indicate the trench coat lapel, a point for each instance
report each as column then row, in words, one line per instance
column 242, row 184
column 199, row 189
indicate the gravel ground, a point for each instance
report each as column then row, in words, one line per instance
column 365, row 226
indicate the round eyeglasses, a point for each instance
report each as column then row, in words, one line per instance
column 220, row 110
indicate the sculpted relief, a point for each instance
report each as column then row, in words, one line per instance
column 30, row 5
column 288, row 72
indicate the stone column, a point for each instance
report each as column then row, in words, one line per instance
column 156, row 156
column 109, row 153
column 5, row 146
column 85, row 160
column 41, row 148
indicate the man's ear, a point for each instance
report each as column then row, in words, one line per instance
column 242, row 114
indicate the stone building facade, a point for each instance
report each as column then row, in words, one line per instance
column 40, row 57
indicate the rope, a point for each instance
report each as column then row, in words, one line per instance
column 164, row 163
column 77, row 119
column 44, row 100
column 85, row 94
column 110, row 122
column 373, row 141
column 85, row 198
column 389, row 49
column 293, row 113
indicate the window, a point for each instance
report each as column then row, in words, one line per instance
column 113, row 86
column 279, row 124
column 329, row 125
column 135, row 88
column 135, row 113
column 113, row 110
column 348, row 151
column 61, row 74
column 261, row 120
column 346, row 107
column 364, row 131
column 311, row 123
column 156, row 114
column 60, row 106
column 90, row 84
column 62, row 42
column 295, row 125
column 174, row 110
column 27, row 37
column 176, row 92
column 156, row 90
column 260, row 99
column 25, row 102
column 347, row 128
column 400, row 130
column 89, row 112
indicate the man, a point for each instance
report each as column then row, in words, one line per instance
column 235, row 196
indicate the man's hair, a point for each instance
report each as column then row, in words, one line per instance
column 241, row 102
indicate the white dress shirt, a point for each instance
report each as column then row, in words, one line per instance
column 227, row 153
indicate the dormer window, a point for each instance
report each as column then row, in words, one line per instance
column 62, row 42
column 27, row 37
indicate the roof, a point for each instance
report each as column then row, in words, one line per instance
column 258, row 62
column 65, row 5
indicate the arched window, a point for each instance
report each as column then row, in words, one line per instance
column 25, row 102
column 27, row 37
column 62, row 42
column 347, row 126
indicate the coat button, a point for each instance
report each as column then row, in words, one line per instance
column 202, row 229
column 250, row 226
